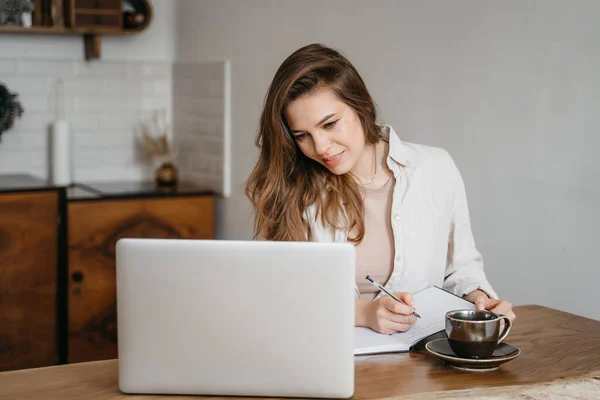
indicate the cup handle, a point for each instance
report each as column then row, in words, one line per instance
column 507, row 326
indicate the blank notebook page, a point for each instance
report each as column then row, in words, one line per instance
column 431, row 304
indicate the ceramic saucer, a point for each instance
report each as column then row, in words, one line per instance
column 504, row 352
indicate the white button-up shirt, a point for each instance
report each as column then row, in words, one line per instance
column 433, row 241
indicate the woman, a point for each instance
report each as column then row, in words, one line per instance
column 328, row 172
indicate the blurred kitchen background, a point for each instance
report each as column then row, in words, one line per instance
column 509, row 88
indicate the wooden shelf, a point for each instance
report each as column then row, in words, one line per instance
column 37, row 30
column 91, row 35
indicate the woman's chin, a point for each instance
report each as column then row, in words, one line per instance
column 338, row 169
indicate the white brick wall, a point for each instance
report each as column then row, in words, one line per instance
column 104, row 101
column 201, row 121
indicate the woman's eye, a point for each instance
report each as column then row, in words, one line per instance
column 302, row 136
column 330, row 125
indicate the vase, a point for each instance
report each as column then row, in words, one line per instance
column 166, row 174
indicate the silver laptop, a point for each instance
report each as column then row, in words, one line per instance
column 248, row 318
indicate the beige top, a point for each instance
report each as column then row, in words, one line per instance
column 375, row 253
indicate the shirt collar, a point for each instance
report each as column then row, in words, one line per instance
column 399, row 152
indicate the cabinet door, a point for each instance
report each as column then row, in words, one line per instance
column 94, row 228
column 28, row 280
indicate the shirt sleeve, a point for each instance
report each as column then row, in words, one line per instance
column 464, row 265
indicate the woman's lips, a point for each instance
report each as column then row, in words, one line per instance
column 333, row 161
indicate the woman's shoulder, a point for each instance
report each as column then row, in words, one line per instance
column 415, row 154
column 431, row 160
column 436, row 160
column 436, row 171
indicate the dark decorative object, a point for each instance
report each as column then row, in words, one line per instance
column 136, row 14
column 166, row 174
column 10, row 109
column 134, row 21
column 11, row 11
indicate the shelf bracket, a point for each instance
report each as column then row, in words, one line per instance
column 91, row 43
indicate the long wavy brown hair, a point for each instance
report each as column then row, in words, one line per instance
column 284, row 182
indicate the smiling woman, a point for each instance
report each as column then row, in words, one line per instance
column 312, row 89
column 336, row 140
column 328, row 172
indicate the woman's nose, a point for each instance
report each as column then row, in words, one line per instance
column 322, row 143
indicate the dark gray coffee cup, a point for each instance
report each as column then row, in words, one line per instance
column 475, row 334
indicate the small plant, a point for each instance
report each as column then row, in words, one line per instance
column 10, row 109
column 156, row 139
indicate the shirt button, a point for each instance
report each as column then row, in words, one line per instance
column 396, row 216
column 398, row 258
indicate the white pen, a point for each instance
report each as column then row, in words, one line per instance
column 378, row 286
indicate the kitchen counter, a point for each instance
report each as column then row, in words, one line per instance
column 132, row 190
column 24, row 183
column 101, row 190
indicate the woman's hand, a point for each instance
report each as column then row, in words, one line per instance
column 483, row 302
column 385, row 315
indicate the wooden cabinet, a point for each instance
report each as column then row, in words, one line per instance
column 93, row 230
column 57, row 261
column 29, row 243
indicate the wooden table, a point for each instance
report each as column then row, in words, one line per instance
column 554, row 344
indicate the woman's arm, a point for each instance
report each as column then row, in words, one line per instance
column 464, row 268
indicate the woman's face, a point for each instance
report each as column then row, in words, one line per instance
column 328, row 131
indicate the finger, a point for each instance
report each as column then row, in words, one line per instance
column 511, row 315
column 480, row 302
column 502, row 307
column 397, row 327
column 397, row 308
column 405, row 297
column 401, row 319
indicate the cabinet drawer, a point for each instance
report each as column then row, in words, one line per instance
column 97, row 20
column 99, row 4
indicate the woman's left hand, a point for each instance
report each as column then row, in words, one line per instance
column 483, row 302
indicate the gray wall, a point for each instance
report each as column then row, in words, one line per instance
column 510, row 88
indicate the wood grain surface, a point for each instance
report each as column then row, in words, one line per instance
column 28, row 280
column 94, row 229
column 554, row 345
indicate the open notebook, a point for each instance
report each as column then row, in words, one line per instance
column 431, row 304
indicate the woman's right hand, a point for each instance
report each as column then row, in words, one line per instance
column 385, row 315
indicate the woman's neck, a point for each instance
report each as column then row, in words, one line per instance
column 371, row 163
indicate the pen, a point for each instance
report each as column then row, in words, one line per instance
column 378, row 286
